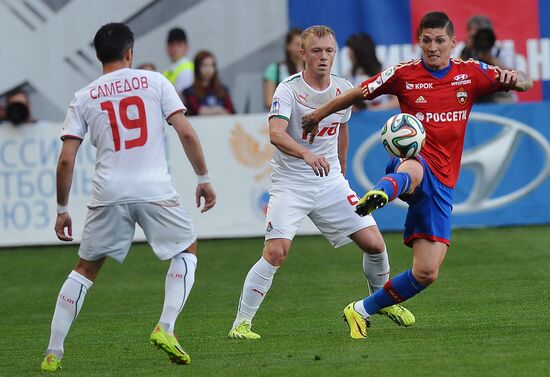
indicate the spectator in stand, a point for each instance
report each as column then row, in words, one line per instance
column 364, row 65
column 277, row 72
column 207, row 95
column 147, row 67
column 481, row 45
column 180, row 73
column 18, row 108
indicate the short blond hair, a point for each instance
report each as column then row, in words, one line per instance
column 320, row 31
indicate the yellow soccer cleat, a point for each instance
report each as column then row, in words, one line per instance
column 50, row 363
column 243, row 331
column 372, row 200
column 400, row 315
column 169, row 344
column 357, row 324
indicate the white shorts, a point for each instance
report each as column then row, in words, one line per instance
column 109, row 230
column 331, row 208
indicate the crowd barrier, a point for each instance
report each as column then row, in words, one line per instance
column 504, row 179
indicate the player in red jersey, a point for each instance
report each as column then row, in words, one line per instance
column 440, row 91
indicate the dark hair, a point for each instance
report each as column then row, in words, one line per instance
column 112, row 41
column 176, row 35
column 15, row 92
column 436, row 20
column 364, row 50
column 290, row 35
column 214, row 82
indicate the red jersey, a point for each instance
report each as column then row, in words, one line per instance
column 441, row 102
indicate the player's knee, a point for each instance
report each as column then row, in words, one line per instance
column 426, row 275
column 275, row 253
column 371, row 242
column 87, row 271
column 415, row 171
column 374, row 247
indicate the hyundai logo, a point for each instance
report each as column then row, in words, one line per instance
column 488, row 161
column 461, row 77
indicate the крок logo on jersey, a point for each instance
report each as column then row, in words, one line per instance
column 461, row 79
column 419, row 85
column 462, row 96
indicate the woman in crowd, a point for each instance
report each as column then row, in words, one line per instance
column 364, row 65
column 207, row 95
column 277, row 72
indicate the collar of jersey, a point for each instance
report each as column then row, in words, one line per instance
column 438, row 73
column 315, row 90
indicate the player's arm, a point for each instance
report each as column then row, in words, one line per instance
column 64, row 180
column 192, row 147
column 282, row 141
column 343, row 142
column 310, row 121
column 515, row 80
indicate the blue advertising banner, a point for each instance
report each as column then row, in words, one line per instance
column 505, row 169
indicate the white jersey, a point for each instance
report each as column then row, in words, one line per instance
column 294, row 98
column 125, row 112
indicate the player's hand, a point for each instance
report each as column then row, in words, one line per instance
column 319, row 164
column 507, row 77
column 310, row 125
column 206, row 191
column 64, row 221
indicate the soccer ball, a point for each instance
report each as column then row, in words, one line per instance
column 403, row 135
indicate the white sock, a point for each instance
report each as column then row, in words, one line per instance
column 256, row 285
column 179, row 281
column 68, row 305
column 376, row 268
column 360, row 308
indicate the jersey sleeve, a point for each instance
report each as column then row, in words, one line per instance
column 486, row 79
column 74, row 125
column 169, row 99
column 381, row 83
column 281, row 106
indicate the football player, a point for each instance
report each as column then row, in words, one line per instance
column 308, row 180
column 125, row 112
column 440, row 91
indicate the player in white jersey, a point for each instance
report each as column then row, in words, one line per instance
column 125, row 112
column 308, row 180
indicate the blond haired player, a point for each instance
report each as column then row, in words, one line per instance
column 308, row 180
column 124, row 111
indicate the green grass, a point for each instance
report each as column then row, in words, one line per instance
column 488, row 315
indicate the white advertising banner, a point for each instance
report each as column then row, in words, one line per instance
column 237, row 151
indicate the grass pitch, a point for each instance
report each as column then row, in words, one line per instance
column 488, row 315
